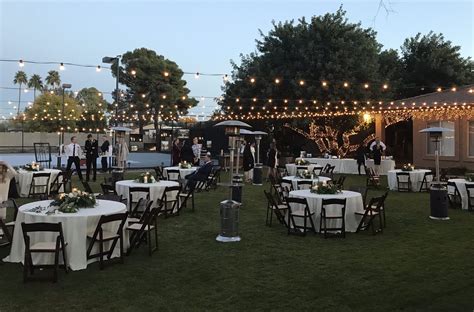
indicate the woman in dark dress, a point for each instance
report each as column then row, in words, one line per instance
column 360, row 156
column 176, row 152
column 272, row 160
column 187, row 152
column 377, row 151
column 248, row 161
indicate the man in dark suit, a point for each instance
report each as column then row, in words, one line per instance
column 92, row 153
column 201, row 174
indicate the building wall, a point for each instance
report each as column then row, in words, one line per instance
column 461, row 137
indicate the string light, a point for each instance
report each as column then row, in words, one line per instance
column 196, row 75
column 302, row 82
column 324, row 84
column 277, row 81
column 133, row 72
column 21, row 63
column 166, row 74
column 252, row 80
column 61, row 66
column 346, row 84
column 366, row 85
column 98, row 69
column 385, row 86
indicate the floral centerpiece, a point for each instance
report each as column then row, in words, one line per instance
column 322, row 188
column 145, row 178
column 408, row 167
column 301, row 162
column 185, row 165
column 72, row 202
column 33, row 167
column 304, row 174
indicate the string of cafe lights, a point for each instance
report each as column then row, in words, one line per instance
column 252, row 80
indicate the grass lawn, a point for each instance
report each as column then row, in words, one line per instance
column 417, row 264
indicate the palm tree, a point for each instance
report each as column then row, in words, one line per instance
column 53, row 79
column 20, row 79
column 36, row 83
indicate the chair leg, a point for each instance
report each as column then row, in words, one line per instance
column 56, row 264
column 192, row 201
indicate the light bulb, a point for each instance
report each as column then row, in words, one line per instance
column 61, row 66
column 98, row 68
column 21, row 63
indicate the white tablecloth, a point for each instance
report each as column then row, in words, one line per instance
column 416, row 177
column 182, row 172
column 291, row 168
column 156, row 189
column 76, row 226
column 353, row 203
column 349, row 165
column 294, row 180
column 461, row 184
column 24, row 179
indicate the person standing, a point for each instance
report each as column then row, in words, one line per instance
column 360, row 156
column 272, row 160
column 176, row 153
column 73, row 153
column 104, row 148
column 196, row 151
column 122, row 152
column 377, row 148
column 92, row 153
column 248, row 162
column 187, row 153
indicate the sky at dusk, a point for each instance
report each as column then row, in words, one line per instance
column 200, row 36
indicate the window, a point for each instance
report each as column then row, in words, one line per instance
column 470, row 128
column 446, row 142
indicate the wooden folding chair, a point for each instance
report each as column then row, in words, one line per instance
column 56, row 247
column 470, row 196
column 107, row 189
column 87, row 187
column 454, row 196
column 135, row 193
column 101, row 236
column 304, row 184
column 296, row 212
column 273, row 207
column 426, row 182
column 326, row 216
column 403, row 182
column 39, row 186
column 173, row 175
column 142, row 230
column 371, row 179
column 169, row 201
column 8, row 228
column 159, row 173
column 371, row 211
column 58, row 185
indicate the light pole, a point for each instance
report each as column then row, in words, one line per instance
column 116, row 60
column 64, row 86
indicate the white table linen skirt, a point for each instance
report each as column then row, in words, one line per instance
column 75, row 226
column 156, row 189
column 349, row 165
column 182, row 172
column 416, row 177
column 24, row 179
column 461, row 184
column 291, row 168
column 353, row 203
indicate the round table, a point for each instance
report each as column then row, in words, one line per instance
column 291, row 168
column 182, row 172
column 294, row 180
column 24, row 178
column 75, row 226
column 461, row 185
column 156, row 189
column 416, row 177
column 353, row 203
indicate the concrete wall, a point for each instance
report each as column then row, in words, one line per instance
column 461, row 141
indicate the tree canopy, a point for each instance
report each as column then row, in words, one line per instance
column 94, row 109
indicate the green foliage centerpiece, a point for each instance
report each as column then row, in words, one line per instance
column 301, row 162
column 325, row 188
column 408, row 167
column 72, row 202
column 33, row 167
column 185, row 165
column 145, row 178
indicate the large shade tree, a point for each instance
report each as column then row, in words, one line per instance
column 94, row 109
column 155, row 90
column 325, row 59
column 430, row 61
column 46, row 113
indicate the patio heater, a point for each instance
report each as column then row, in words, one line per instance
column 438, row 193
column 229, row 209
column 257, row 170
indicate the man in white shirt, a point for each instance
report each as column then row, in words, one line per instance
column 377, row 142
column 73, row 153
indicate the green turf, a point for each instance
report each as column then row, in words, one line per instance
column 416, row 265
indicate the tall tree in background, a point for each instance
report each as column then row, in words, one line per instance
column 302, row 55
column 430, row 62
column 156, row 89
column 94, row 109
column 36, row 83
column 44, row 115
column 53, row 79
column 20, row 79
